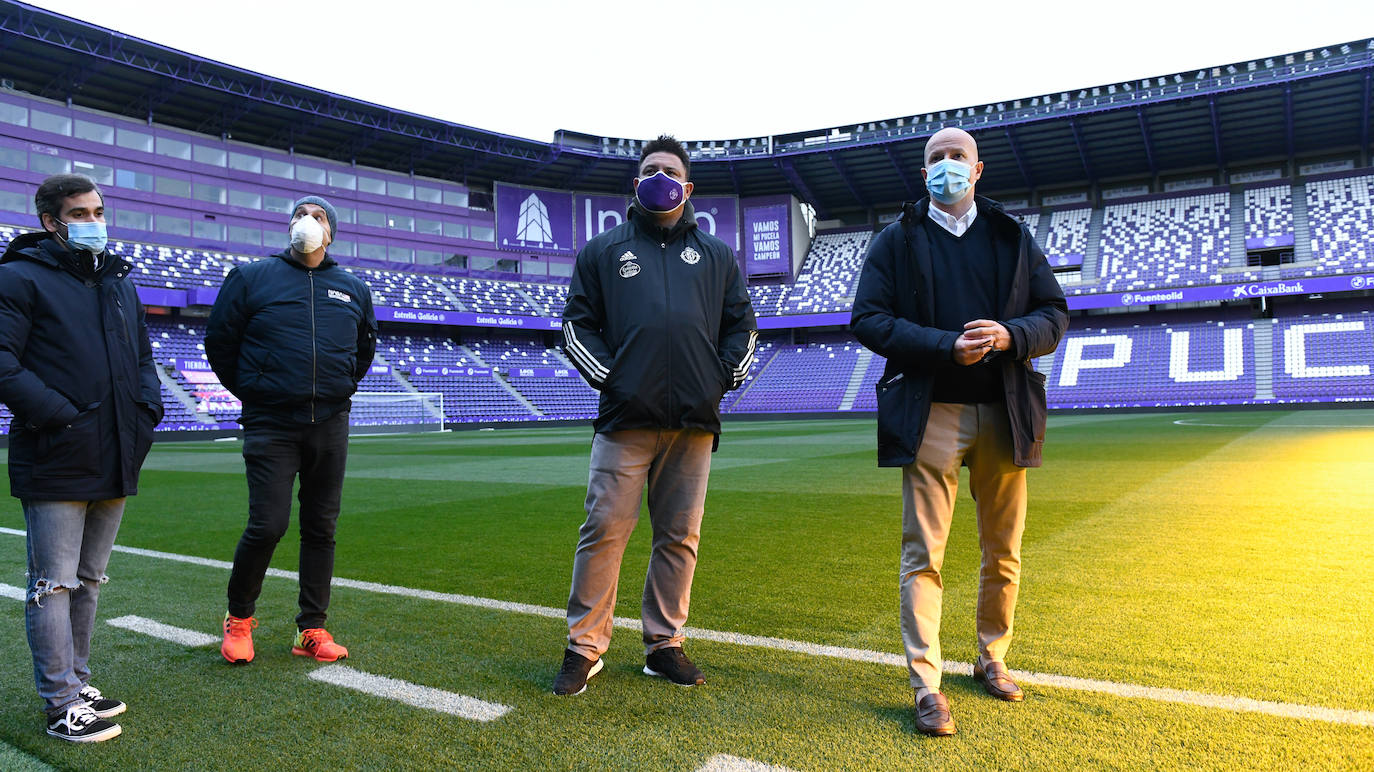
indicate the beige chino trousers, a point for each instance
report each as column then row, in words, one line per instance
column 675, row 465
column 978, row 436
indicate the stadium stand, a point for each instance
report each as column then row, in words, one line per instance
column 829, row 274
column 478, row 398
column 1068, row 233
column 187, row 206
column 1155, row 361
column 405, row 289
column 767, row 298
column 1269, row 216
column 1167, row 242
column 1341, row 217
column 1312, row 348
column 489, row 297
column 406, row 351
column 548, row 299
column 800, row 379
column 563, row 396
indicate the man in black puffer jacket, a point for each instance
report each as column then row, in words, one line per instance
column 291, row 336
column 658, row 321
column 77, row 371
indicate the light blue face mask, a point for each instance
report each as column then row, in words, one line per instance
column 89, row 236
column 948, row 181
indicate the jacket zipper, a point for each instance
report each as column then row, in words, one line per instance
column 313, row 365
column 668, row 331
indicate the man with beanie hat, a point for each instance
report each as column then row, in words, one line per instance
column 291, row 336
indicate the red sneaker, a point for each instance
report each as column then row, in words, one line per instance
column 318, row 643
column 238, row 639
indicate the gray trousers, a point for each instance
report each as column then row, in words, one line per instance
column 675, row 464
column 69, row 544
column 978, row 436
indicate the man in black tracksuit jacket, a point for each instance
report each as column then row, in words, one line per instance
column 291, row 336
column 658, row 321
column 77, row 371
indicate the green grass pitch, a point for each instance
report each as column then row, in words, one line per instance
column 1227, row 554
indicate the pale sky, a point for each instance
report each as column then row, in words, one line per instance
column 709, row 69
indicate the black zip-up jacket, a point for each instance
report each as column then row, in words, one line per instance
column 894, row 317
column 291, row 342
column 658, row 320
column 77, row 371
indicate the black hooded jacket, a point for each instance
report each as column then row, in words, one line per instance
column 659, row 321
column 77, row 371
column 291, row 342
column 894, row 317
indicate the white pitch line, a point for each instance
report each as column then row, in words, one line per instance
column 1114, row 688
column 10, row 591
column 425, row 697
column 1191, row 422
column 166, row 632
column 722, row 762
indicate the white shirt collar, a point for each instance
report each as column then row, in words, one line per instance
column 955, row 225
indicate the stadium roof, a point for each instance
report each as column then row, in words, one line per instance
column 1306, row 104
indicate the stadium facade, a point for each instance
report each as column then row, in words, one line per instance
column 1212, row 229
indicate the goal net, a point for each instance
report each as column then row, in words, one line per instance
column 394, row 412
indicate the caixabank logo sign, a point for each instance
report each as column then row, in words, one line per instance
column 1245, row 291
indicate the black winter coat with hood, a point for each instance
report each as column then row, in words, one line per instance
column 893, row 316
column 77, row 371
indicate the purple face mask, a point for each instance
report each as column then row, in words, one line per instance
column 660, row 193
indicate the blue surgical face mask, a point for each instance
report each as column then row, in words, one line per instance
column 660, row 193
column 89, row 236
column 948, row 181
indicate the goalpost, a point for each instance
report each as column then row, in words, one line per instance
column 396, row 412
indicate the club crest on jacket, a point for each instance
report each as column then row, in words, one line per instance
column 690, row 256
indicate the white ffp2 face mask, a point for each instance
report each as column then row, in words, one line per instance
column 306, row 235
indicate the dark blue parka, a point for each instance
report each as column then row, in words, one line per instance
column 77, row 371
column 290, row 341
column 893, row 316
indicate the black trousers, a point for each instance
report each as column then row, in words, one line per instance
column 274, row 455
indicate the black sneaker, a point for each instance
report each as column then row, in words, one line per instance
column 103, row 706
column 572, row 679
column 79, row 724
column 672, row 664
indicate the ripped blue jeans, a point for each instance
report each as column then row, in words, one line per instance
column 69, row 545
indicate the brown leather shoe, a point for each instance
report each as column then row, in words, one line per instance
column 933, row 716
column 997, row 681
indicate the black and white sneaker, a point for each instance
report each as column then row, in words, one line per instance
column 80, row 724
column 103, row 706
column 672, row 664
column 572, row 678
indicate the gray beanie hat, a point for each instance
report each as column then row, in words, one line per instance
column 328, row 212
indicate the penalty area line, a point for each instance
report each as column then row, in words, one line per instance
column 1113, row 688
column 722, row 762
column 416, row 695
column 156, row 629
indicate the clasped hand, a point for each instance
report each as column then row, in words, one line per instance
column 980, row 338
